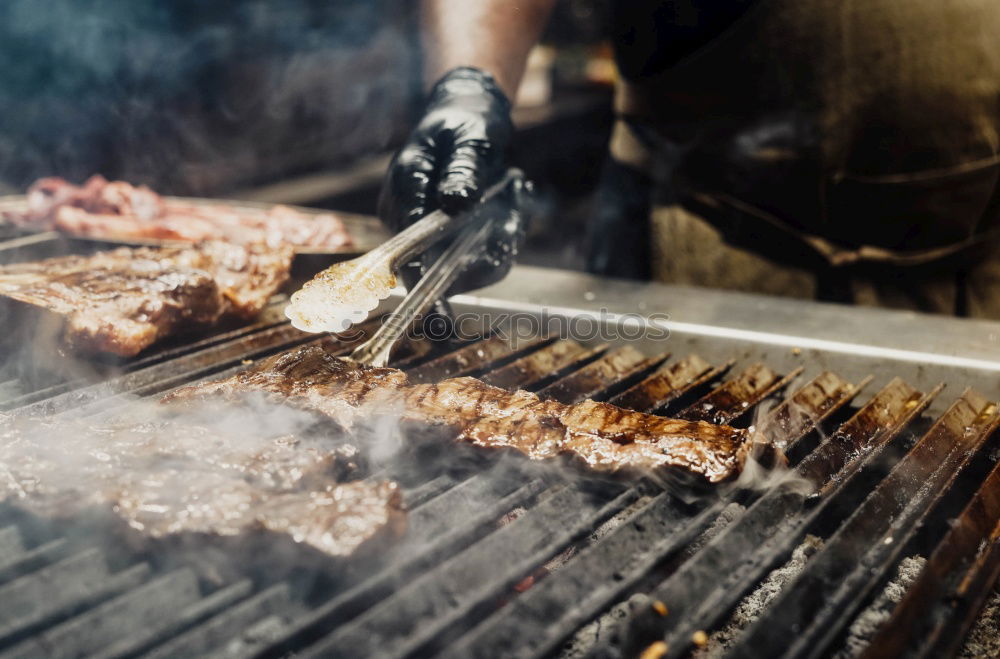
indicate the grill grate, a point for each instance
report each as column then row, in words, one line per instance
column 472, row 578
column 861, row 552
column 940, row 607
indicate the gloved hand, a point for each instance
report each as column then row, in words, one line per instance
column 456, row 151
column 511, row 211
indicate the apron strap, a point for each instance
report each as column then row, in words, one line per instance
column 774, row 237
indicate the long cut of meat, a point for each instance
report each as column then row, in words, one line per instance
column 167, row 478
column 124, row 300
column 604, row 437
column 117, row 210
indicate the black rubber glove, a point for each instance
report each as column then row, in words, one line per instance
column 457, row 150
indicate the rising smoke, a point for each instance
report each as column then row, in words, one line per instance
column 198, row 97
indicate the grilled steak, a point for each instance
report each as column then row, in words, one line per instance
column 605, row 437
column 124, row 300
column 166, row 478
column 119, row 210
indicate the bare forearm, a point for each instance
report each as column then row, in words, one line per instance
column 493, row 35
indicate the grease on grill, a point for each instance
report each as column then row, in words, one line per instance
column 536, row 366
column 666, row 384
column 591, row 380
column 468, row 359
column 877, row 421
column 802, row 411
column 737, row 396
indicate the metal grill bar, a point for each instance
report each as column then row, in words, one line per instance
column 536, row 622
column 35, row 598
column 222, row 628
column 471, row 359
column 806, row 408
column 594, row 379
column 172, row 373
column 874, row 424
column 469, row 501
column 10, row 541
column 545, row 363
column 753, row 385
column 669, row 383
column 74, row 598
column 144, row 639
column 733, row 402
column 147, row 606
column 15, row 565
column 428, row 551
column 22, row 246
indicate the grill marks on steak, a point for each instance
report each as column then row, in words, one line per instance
column 166, row 478
column 124, row 300
column 119, row 210
column 605, row 437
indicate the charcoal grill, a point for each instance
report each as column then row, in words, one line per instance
column 892, row 416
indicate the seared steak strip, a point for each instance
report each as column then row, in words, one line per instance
column 124, row 300
column 165, row 478
column 605, row 437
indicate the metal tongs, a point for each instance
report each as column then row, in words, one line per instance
column 462, row 252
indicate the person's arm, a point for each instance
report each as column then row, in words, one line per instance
column 493, row 35
column 474, row 56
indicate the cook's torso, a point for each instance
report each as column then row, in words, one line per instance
column 865, row 122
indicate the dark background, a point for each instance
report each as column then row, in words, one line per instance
column 199, row 97
column 291, row 101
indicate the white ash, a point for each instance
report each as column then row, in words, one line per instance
column 10, row 389
column 588, row 636
column 983, row 641
column 610, row 622
column 868, row 622
column 725, row 518
column 750, row 608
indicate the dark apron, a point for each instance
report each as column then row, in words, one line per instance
column 856, row 141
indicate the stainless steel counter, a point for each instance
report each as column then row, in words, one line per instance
column 923, row 348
